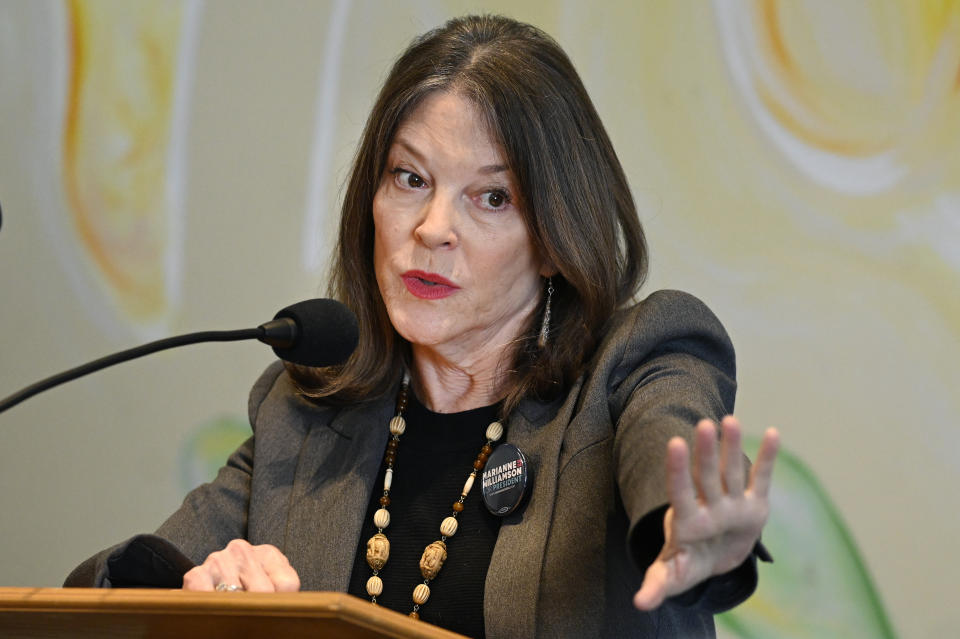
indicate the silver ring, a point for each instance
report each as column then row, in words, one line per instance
column 225, row 587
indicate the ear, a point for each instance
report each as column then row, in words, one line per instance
column 548, row 269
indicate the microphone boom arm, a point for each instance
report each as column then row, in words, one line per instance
column 278, row 332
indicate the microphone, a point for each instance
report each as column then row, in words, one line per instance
column 317, row 332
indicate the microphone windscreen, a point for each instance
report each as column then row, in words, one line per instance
column 327, row 333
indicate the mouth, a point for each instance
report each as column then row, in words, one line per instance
column 428, row 285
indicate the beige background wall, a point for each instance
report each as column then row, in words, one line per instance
column 171, row 167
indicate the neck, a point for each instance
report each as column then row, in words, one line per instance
column 446, row 385
column 467, row 373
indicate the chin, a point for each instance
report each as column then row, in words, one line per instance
column 418, row 327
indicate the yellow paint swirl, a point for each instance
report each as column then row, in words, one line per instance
column 116, row 139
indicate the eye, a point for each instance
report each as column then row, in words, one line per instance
column 408, row 179
column 495, row 199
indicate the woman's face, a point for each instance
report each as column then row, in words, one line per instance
column 454, row 261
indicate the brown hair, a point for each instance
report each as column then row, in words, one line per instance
column 575, row 202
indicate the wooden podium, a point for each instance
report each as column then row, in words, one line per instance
column 103, row 613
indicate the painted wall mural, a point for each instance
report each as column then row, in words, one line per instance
column 819, row 584
column 169, row 166
column 860, row 97
column 122, row 147
column 114, row 80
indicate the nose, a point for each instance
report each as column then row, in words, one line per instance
column 437, row 227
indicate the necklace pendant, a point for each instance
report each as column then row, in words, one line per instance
column 378, row 551
column 432, row 560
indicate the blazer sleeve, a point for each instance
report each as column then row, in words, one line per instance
column 211, row 515
column 676, row 368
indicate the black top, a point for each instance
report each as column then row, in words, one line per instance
column 434, row 458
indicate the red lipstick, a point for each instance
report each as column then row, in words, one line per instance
column 428, row 286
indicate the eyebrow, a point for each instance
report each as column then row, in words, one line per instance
column 487, row 169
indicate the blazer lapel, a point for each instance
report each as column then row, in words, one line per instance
column 334, row 479
column 513, row 580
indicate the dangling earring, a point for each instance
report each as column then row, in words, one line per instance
column 545, row 326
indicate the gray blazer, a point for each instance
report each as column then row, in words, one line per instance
column 562, row 565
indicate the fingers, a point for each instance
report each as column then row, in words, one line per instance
column 731, row 456
column 254, row 568
column 278, row 569
column 716, row 476
column 198, row 579
column 249, row 567
column 219, row 567
column 762, row 470
column 653, row 590
column 680, row 490
column 706, row 464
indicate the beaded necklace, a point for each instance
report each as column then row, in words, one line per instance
column 435, row 554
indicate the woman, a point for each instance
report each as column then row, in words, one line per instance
column 490, row 248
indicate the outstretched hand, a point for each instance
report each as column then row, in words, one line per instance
column 713, row 520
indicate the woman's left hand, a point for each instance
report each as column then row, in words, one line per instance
column 713, row 521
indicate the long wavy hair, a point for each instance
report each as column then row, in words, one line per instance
column 575, row 201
